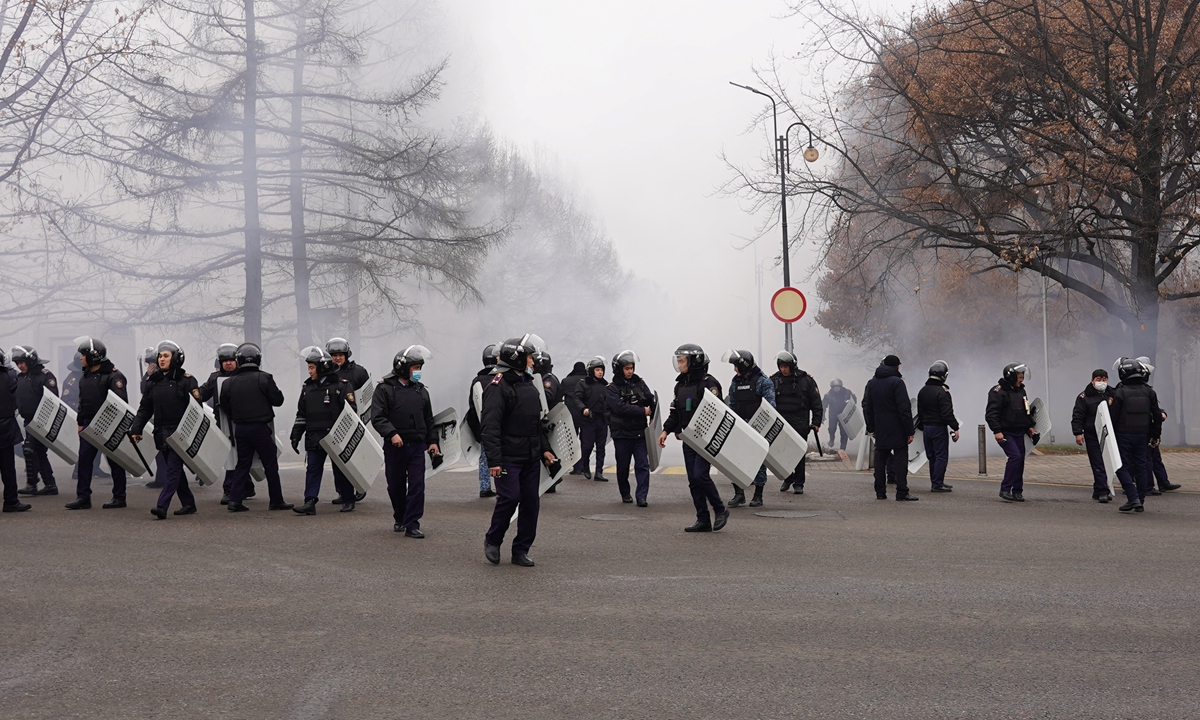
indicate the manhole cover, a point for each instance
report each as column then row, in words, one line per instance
column 787, row 514
column 609, row 518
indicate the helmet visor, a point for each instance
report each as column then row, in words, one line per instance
column 533, row 343
column 628, row 357
column 313, row 354
column 417, row 355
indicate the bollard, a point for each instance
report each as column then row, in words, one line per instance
column 983, row 451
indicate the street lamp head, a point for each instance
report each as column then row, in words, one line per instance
column 811, row 154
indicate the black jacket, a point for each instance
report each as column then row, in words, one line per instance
column 798, row 400
column 1083, row 417
column 70, row 386
column 836, row 401
column 10, row 432
column 626, row 402
column 589, row 395
column 688, row 387
column 472, row 417
column 404, row 410
column 321, row 403
column 30, row 386
column 1007, row 409
column 568, row 385
column 250, row 396
column 934, row 405
column 888, row 409
column 554, row 393
column 165, row 398
column 353, row 373
column 1135, row 409
column 93, row 390
column 512, row 420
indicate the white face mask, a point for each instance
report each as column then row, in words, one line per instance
column 1100, row 385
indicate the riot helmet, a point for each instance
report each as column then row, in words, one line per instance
column 150, row 356
column 338, row 346
column 542, row 363
column 4, row 361
column 940, row 370
column 409, row 356
column 514, row 352
column 225, row 352
column 248, row 354
column 321, row 359
column 1132, row 369
column 91, row 350
column 1146, row 361
column 621, row 359
column 490, row 353
column 697, row 360
column 25, row 354
column 592, row 364
column 1013, row 369
column 740, row 359
column 177, row 355
column 835, row 384
column 785, row 358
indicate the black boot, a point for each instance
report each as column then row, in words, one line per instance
column 738, row 499
column 756, row 501
column 30, row 489
column 1131, row 506
column 308, row 508
column 49, row 489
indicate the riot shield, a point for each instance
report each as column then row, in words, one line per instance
column 353, row 450
column 725, row 440
column 363, row 397
column 862, row 461
column 109, row 433
column 787, row 446
column 1041, row 423
column 653, row 430
column 916, row 449
column 852, row 419
column 1108, row 445
column 447, row 427
column 564, row 443
column 52, row 425
column 201, row 444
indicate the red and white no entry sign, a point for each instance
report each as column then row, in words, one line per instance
column 788, row 305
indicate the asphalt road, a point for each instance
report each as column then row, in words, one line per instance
column 957, row 606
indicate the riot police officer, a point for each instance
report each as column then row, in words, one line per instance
column 10, row 436
column 323, row 397
column 1007, row 415
column 403, row 416
column 1157, row 468
column 834, row 403
column 358, row 377
column 935, row 416
column 588, row 401
column 691, row 363
column 516, row 443
column 1137, row 422
column 1083, row 427
column 630, row 404
column 224, row 366
column 150, row 367
column 474, row 395
column 166, row 396
column 749, row 388
column 249, row 397
column 33, row 381
column 798, row 400
column 70, row 396
column 99, row 377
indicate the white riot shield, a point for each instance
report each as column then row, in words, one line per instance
column 564, row 443
column 787, row 446
column 541, row 386
column 1108, row 445
column 201, row 444
column 863, row 460
column 916, row 449
column 1041, row 423
column 471, row 445
column 223, row 420
column 363, row 397
column 109, row 433
column 852, row 419
column 726, row 441
column 653, row 430
column 447, row 427
column 52, row 425
column 353, row 450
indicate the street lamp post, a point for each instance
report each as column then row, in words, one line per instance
column 782, row 165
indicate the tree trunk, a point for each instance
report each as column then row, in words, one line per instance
column 300, row 270
column 252, row 306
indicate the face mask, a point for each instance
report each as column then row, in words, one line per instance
column 1100, row 385
column 529, row 371
column 416, row 376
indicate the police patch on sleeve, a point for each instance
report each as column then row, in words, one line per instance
column 196, row 393
column 120, row 384
column 51, row 382
column 548, row 384
column 350, row 396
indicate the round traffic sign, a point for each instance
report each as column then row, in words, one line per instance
column 788, row 305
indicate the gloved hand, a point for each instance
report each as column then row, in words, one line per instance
column 296, row 445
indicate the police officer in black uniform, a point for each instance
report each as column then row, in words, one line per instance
column 567, row 386
column 1083, row 427
column 249, row 398
column 70, row 396
column 32, row 381
column 10, row 436
column 99, row 377
column 403, row 416
column 749, row 388
column 1137, row 422
column 935, row 417
column 353, row 373
column 798, row 400
column 630, row 404
column 167, row 393
column 1007, row 415
column 150, row 365
column 543, row 365
column 472, row 416
column 322, row 400
column 225, row 365
column 691, row 362
column 588, row 401
column 517, row 445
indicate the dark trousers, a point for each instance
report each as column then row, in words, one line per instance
column 516, row 488
column 1158, row 469
column 1134, row 474
column 405, row 471
column 700, row 483
column 592, row 433
column 8, row 475
column 1096, row 459
column 796, row 479
column 37, row 461
column 937, row 449
column 834, row 426
column 632, row 449
column 891, row 463
column 87, row 460
column 255, row 439
column 1013, row 446
column 314, row 470
column 170, row 473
